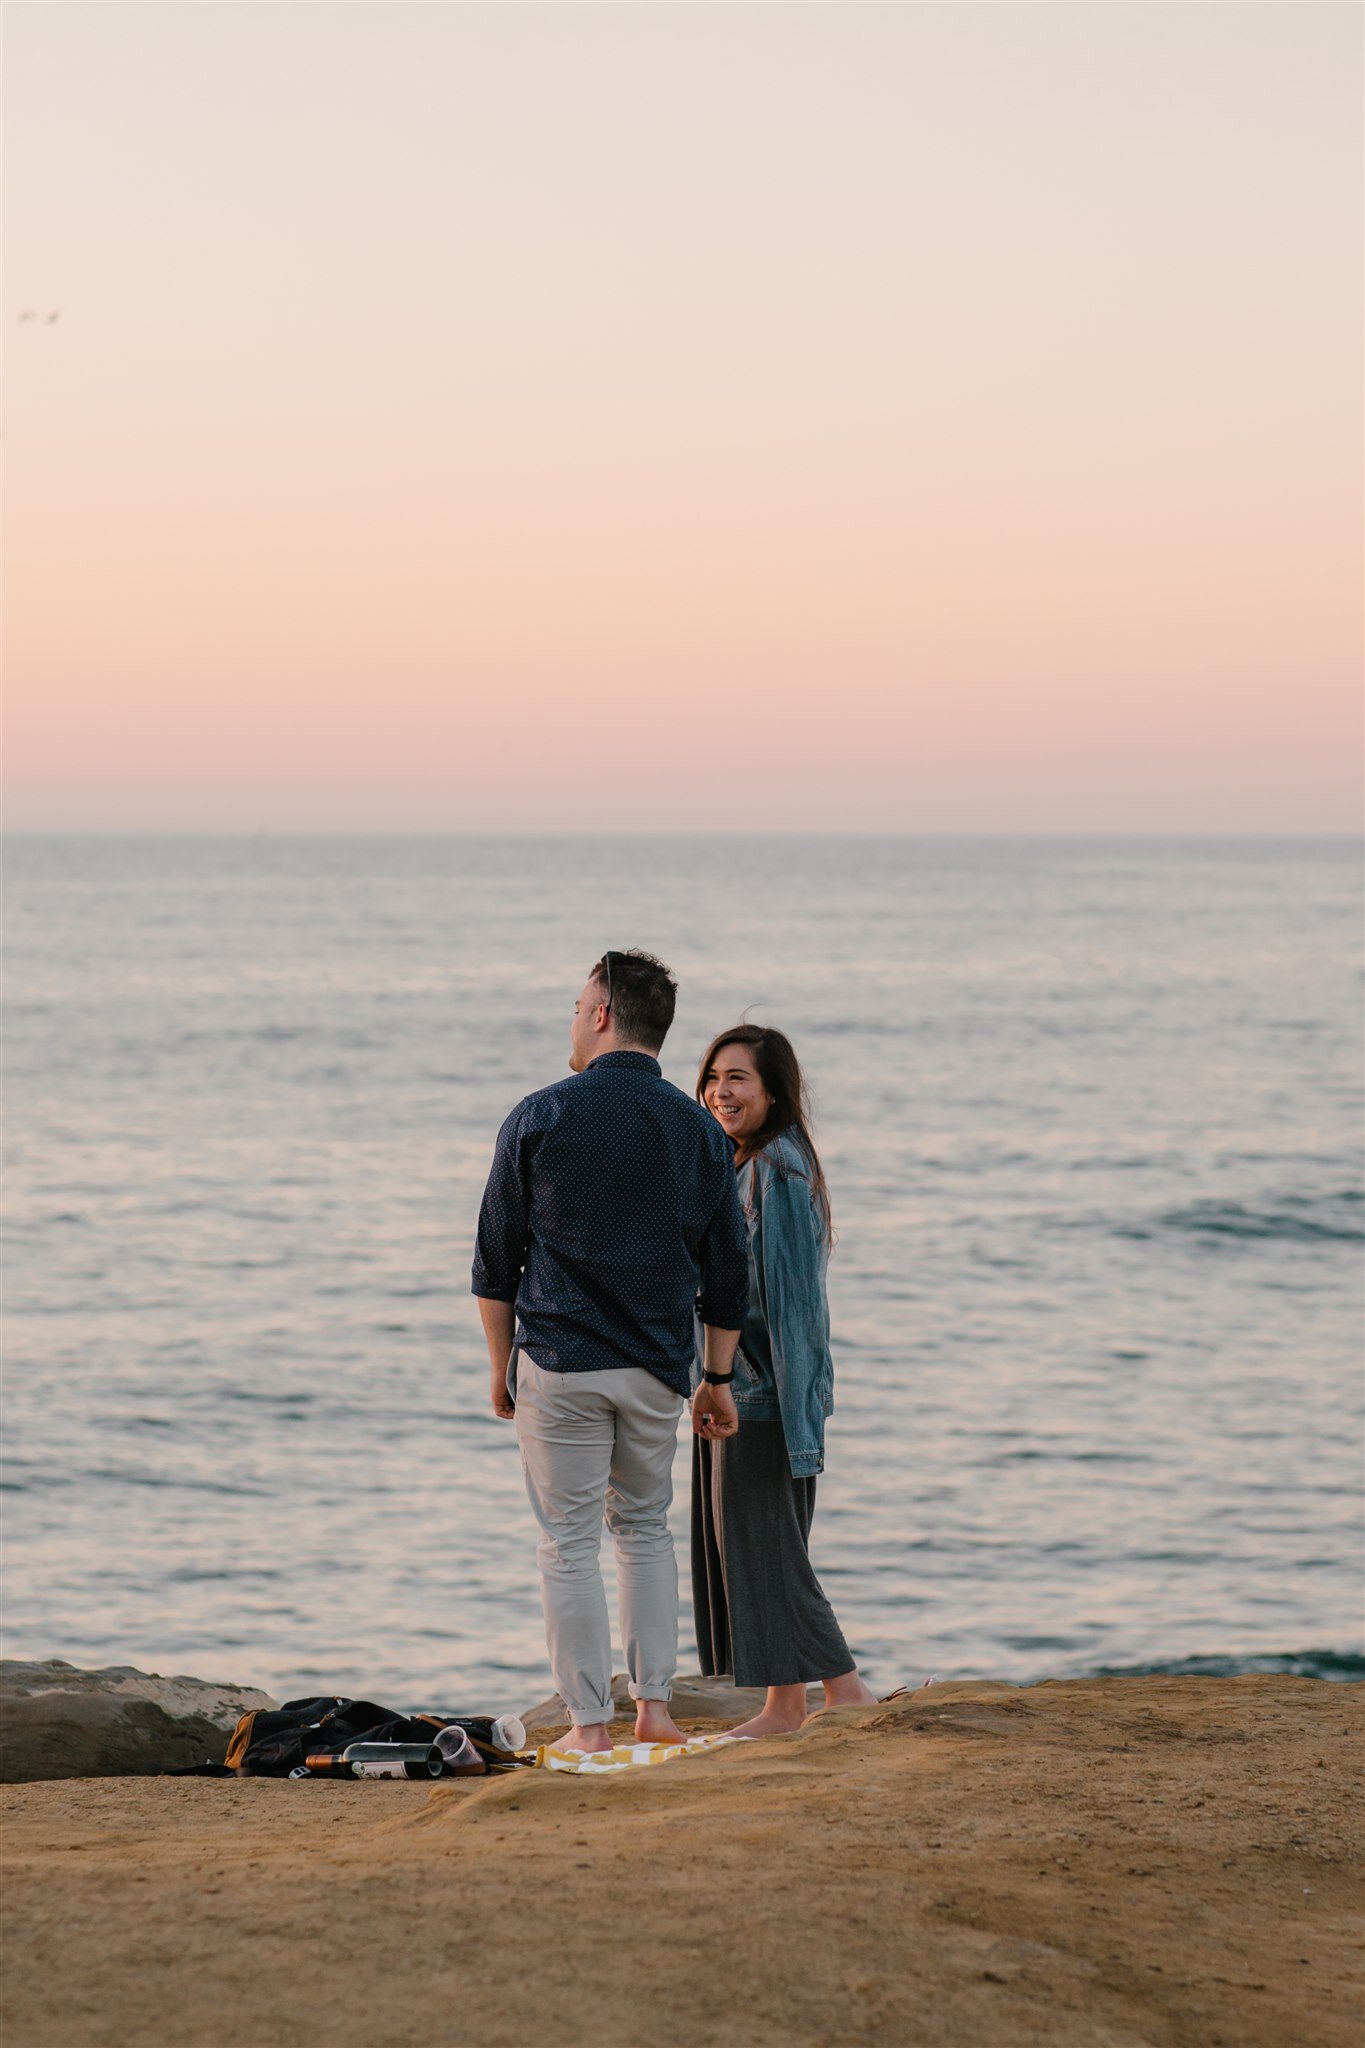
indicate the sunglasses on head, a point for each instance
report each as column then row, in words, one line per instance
column 606, row 969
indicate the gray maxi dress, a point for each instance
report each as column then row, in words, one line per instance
column 762, row 1617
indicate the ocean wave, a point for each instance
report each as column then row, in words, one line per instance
column 1343, row 1667
column 1293, row 1219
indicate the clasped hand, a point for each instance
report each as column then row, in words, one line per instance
column 713, row 1412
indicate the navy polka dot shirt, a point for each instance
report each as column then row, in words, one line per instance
column 610, row 1213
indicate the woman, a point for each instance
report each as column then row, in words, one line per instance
column 760, row 1612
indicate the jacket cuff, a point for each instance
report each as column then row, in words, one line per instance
column 805, row 1464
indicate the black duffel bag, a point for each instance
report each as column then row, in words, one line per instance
column 273, row 1742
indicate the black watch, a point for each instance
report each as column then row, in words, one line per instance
column 719, row 1379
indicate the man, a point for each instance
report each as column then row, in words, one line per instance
column 611, row 1202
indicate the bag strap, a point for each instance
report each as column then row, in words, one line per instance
column 241, row 1741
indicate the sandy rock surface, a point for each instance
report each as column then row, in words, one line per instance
column 59, row 1722
column 1116, row 1863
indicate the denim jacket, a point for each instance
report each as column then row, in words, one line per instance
column 783, row 1368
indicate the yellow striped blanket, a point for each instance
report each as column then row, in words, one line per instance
column 625, row 1756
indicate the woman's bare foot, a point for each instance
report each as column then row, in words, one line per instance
column 849, row 1691
column 783, row 1712
column 764, row 1724
column 654, row 1723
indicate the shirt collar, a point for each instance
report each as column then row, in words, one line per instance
column 639, row 1062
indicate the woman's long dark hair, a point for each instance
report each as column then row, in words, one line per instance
column 780, row 1072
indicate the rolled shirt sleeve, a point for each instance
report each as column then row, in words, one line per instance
column 503, row 1234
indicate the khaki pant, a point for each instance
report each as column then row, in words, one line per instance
column 595, row 1444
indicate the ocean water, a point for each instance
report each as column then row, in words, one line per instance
column 1091, row 1115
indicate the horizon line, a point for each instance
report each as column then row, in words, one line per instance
column 395, row 834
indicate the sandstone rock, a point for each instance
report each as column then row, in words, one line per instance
column 59, row 1722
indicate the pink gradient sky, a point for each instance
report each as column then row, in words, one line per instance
column 830, row 418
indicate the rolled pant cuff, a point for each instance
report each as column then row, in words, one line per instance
column 652, row 1692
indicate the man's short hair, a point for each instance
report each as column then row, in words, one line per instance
column 644, row 995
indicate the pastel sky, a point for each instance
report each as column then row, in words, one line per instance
column 831, row 418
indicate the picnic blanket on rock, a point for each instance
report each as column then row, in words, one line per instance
column 626, row 1756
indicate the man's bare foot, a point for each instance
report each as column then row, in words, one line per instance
column 592, row 1736
column 654, row 1723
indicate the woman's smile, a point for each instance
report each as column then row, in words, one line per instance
column 734, row 1094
